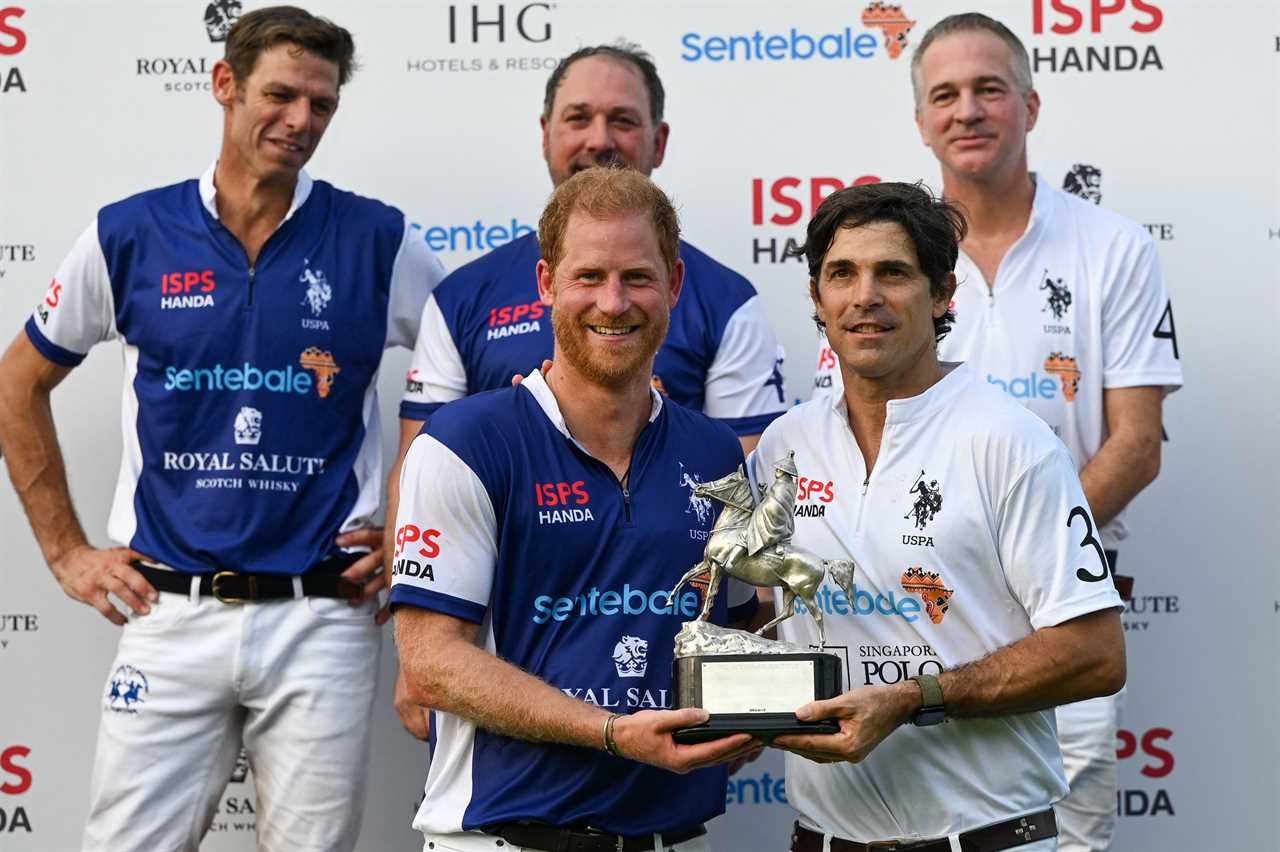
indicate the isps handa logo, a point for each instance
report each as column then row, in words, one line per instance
column 182, row 71
column 885, row 27
column 13, row 39
column 415, row 544
column 1114, row 36
column 15, row 780
column 786, row 202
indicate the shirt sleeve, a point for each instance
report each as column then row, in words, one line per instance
column 446, row 535
column 78, row 310
column 744, row 382
column 1049, row 547
column 436, row 374
column 1139, row 343
column 415, row 273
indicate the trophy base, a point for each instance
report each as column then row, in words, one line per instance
column 755, row 694
column 763, row 726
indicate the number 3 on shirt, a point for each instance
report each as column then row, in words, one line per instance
column 1087, row 541
column 1171, row 335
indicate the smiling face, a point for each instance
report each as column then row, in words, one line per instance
column 611, row 295
column 878, row 309
column 601, row 117
column 274, row 119
column 971, row 113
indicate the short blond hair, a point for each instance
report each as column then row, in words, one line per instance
column 607, row 193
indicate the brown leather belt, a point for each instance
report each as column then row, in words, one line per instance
column 322, row 580
column 992, row 838
column 535, row 835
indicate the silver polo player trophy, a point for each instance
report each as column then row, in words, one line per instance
column 746, row 682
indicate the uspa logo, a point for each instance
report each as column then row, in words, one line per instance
column 127, row 690
column 928, row 501
column 186, row 69
column 1113, row 36
column 631, row 656
column 317, row 296
column 13, row 39
column 886, row 28
column 492, row 37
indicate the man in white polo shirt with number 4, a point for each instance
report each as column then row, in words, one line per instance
column 945, row 492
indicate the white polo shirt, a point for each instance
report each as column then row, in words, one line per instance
column 997, row 543
column 1079, row 306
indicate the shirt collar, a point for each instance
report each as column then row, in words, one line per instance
column 208, row 192
column 535, row 384
column 902, row 410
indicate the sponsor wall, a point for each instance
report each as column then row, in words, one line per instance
column 1164, row 110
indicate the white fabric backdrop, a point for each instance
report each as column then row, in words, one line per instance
column 100, row 100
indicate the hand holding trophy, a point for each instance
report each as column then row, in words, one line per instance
column 748, row 683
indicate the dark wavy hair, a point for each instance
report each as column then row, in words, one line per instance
column 936, row 228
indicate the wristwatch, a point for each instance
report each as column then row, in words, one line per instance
column 932, row 711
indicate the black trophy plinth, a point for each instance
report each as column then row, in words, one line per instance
column 753, row 693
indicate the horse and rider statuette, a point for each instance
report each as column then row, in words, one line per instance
column 752, row 542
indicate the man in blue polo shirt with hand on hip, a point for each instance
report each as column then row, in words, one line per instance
column 538, row 529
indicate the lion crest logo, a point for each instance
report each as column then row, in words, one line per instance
column 318, row 290
column 219, row 17
column 248, row 426
column 631, row 656
column 1085, row 181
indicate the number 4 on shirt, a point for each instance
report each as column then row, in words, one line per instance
column 1172, row 334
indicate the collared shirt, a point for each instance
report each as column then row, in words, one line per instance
column 970, row 532
column 1078, row 306
column 507, row 521
column 250, row 415
column 485, row 324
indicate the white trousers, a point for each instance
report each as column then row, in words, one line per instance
column 475, row 841
column 294, row 680
column 1087, row 736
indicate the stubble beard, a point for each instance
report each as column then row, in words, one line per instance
column 624, row 366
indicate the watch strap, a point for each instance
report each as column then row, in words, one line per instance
column 930, row 692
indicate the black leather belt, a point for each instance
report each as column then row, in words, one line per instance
column 535, row 835
column 322, row 580
column 992, row 838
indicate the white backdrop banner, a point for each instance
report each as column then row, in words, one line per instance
column 1174, row 105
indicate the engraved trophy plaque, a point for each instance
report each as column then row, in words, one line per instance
column 747, row 683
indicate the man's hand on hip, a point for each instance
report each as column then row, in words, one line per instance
column 87, row 574
column 867, row 715
column 646, row 737
column 367, row 570
column 415, row 717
